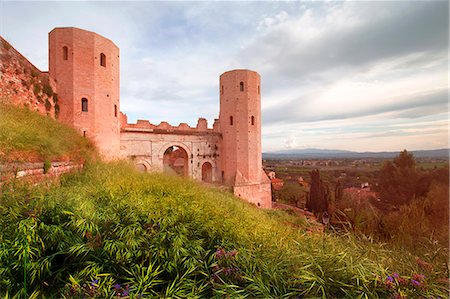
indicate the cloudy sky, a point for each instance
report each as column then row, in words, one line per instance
column 363, row 76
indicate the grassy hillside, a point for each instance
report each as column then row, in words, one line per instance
column 112, row 232
column 28, row 136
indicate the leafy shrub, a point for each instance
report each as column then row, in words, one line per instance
column 48, row 90
column 6, row 45
column 48, row 105
column 56, row 110
column 34, row 73
column 47, row 165
column 36, row 89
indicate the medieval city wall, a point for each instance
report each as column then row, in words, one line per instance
column 258, row 194
column 23, row 84
column 146, row 143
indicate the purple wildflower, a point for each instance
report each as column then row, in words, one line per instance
column 418, row 277
column 415, row 283
column 220, row 253
column 94, row 283
column 125, row 293
column 232, row 253
column 389, row 278
column 117, row 287
column 395, row 275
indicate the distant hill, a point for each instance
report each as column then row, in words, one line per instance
column 312, row 153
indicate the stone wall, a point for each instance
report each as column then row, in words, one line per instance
column 35, row 172
column 23, row 84
column 146, row 147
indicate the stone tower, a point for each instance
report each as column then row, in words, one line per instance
column 85, row 67
column 240, row 125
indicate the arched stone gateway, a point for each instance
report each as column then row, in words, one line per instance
column 207, row 172
column 176, row 161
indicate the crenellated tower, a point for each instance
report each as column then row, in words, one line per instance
column 240, row 125
column 85, row 67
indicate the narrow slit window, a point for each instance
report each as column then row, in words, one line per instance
column 231, row 120
column 115, row 110
column 65, row 53
column 259, row 90
column 103, row 59
column 222, row 89
column 253, row 120
column 241, row 86
column 84, row 105
column 84, row 133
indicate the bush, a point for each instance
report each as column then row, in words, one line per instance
column 34, row 73
column 48, row 105
column 36, row 89
column 47, row 89
column 47, row 166
column 6, row 45
column 424, row 219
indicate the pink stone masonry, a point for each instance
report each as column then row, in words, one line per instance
column 75, row 61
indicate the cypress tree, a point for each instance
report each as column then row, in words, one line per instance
column 318, row 194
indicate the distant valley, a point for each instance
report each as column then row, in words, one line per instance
column 313, row 153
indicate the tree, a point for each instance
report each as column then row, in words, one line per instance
column 318, row 194
column 399, row 180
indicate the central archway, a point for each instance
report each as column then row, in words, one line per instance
column 175, row 161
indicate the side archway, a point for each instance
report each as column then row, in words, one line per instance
column 142, row 165
column 207, row 172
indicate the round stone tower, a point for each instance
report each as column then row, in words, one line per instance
column 85, row 67
column 240, row 125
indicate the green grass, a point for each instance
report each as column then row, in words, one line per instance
column 28, row 136
column 168, row 237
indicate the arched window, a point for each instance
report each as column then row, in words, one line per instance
column 231, row 120
column 115, row 110
column 241, row 86
column 84, row 105
column 65, row 53
column 253, row 120
column 102, row 59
